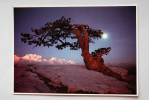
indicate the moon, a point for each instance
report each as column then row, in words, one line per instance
column 104, row 36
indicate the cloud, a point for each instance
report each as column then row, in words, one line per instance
column 16, row 59
column 71, row 62
column 32, row 58
column 52, row 60
column 64, row 61
column 61, row 61
column 37, row 59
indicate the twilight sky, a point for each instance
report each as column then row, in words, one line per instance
column 119, row 23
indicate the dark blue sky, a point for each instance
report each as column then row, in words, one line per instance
column 118, row 22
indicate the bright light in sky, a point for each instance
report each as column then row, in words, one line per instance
column 31, row 18
column 105, row 36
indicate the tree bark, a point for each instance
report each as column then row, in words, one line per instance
column 79, row 36
column 90, row 62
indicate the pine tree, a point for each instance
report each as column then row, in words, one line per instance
column 56, row 34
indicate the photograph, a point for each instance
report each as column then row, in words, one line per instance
column 80, row 50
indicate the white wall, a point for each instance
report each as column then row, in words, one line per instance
column 6, row 47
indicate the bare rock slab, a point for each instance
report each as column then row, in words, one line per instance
column 77, row 79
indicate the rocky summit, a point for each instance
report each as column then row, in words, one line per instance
column 67, row 79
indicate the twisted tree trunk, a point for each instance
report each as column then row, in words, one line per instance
column 91, row 62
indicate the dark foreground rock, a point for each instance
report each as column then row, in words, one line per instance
column 67, row 79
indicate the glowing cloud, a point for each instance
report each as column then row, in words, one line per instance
column 34, row 58
column 62, row 61
column 71, row 62
column 16, row 59
column 52, row 60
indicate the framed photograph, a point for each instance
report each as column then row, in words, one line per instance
column 76, row 50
